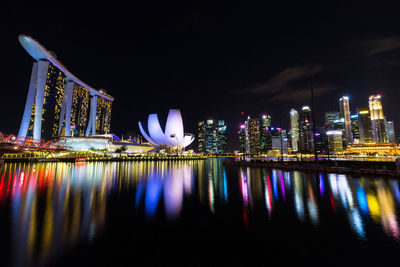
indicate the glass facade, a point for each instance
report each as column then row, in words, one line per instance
column 306, row 132
column 253, row 126
column 220, row 137
column 201, row 148
column 330, row 118
column 242, row 139
column 345, row 114
column 355, row 128
column 79, row 110
column 265, row 133
column 364, row 125
column 294, row 130
column 54, row 106
column 52, row 103
column 212, row 137
column 103, row 116
column 391, row 137
column 377, row 119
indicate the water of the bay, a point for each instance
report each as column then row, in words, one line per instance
column 193, row 213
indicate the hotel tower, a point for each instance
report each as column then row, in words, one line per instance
column 58, row 103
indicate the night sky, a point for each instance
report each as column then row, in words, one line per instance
column 212, row 62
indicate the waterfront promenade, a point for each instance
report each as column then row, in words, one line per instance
column 356, row 167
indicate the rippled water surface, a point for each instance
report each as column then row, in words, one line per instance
column 193, row 213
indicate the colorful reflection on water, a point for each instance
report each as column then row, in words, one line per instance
column 363, row 200
column 51, row 207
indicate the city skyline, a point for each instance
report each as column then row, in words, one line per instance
column 124, row 127
column 78, row 109
column 187, row 56
column 343, row 131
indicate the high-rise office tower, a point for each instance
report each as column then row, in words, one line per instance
column 265, row 133
column 212, row 137
column 355, row 128
column 209, row 137
column 306, row 131
column 321, row 139
column 377, row 119
column 294, row 130
column 391, row 138
column 243, row 141
column 279, row 140
column 330, row 118
column 364, row 125
column 335, row 140
column 58, row 103
column 335, row 122
column 345, row 114
column 253, row 128
column 202, row 137
column 220, row 137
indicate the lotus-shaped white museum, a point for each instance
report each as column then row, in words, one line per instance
column 173, row 136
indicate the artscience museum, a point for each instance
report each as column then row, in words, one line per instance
column 173, row 136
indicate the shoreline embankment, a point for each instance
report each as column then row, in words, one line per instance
column 374, row 168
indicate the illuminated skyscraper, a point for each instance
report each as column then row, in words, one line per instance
column 321, row 139
column 364, row 125
column 377, row 119
column 279, row 140
column 391, row 138
column 220, row 137
column 335, row 140
column 294, row 129
column 253, row 128
column 331, row 118
column 345, row 114
column 355, row 128
column 212, row 137
column 243, row 140
column 306, row 132
column 201, row 137
column 265, row 133
column 58, row 103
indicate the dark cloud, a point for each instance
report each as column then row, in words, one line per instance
column 292, row 84
column 302, row 94
column 382, row 45
column 287, row 79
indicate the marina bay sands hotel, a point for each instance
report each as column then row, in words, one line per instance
column 58, row 103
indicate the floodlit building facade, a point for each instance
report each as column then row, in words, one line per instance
column 173, row 136
column 345, row 114
column 355, row 128
column 205, row 137
column 265, row 133
column 253, row 126
column 330, row 118
column 249, row 137
column 364, row 125
column 391, row 137
column 212, row 137
column 106, row 143
column 243, row 140
column 280, row 140
column 294, row 130
column 58, row 103
column 306, row 131
column 377, row 119
column 335, row 141
column 372, row 149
